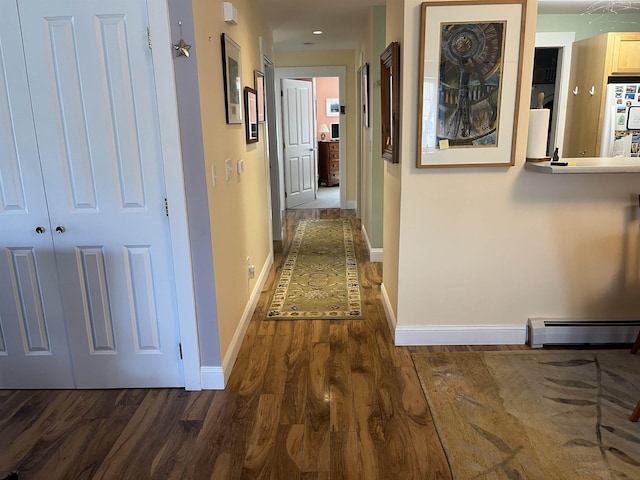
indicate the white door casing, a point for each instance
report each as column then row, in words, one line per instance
column 299, row 142
column 94, row 109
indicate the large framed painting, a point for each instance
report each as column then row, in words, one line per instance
column 231, row 70
column 470, row 71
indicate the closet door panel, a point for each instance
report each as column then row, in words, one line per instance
column 34, row 351
column 91, row 76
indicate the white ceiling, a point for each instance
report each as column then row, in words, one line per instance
column 343, row 21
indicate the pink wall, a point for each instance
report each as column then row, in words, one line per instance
column 326, row 87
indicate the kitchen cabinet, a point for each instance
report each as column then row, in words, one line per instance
column 593, row 61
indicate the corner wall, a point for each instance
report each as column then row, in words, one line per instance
column 392, row 178
column 238, row 208
column 372, row 171
column 487, row 247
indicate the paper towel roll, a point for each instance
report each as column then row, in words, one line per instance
column 538, row 130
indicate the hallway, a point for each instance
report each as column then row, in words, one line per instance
column 306, row 400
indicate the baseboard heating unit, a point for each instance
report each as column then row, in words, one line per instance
column 549, row 331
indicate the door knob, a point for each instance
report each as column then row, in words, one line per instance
column 40, row 230
column 60, row 229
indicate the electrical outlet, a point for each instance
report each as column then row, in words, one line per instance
column 228, row 169
column 251, row 269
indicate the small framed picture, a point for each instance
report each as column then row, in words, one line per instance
column 365, row 95
column 333, row 107
column 251, row 114
column 259, row 86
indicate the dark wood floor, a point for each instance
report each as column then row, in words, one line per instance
column 306, row 400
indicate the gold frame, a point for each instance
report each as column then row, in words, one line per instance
column 434, row 154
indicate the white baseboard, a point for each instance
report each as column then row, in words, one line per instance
column 460, row 334
column 375, row 254
column 212, row 378
column 388, row 311
column 351, row 204
column 215, row 378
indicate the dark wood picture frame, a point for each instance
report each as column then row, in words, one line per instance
column 232, row 71
column 251, row 114
column 390, row 92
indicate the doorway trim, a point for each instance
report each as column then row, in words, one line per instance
column 563, row 42
column 277, row 181
column 158, row 15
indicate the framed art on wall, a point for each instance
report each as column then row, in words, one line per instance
column 333, row 107
column 232, row 69
column 259, row 86
column 469, row 84
column 251, row 114
column 365, row 95
column 390, row 101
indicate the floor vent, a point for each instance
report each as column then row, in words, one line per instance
column 546, row 331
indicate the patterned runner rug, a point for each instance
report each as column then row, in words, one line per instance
column 320, row 278
column 535, row 415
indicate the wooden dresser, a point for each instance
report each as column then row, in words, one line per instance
column 329, row 163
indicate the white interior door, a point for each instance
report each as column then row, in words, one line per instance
column 90, row 74
column 34, row 352
column 299, row 142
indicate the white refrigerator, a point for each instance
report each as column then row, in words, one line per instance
column 621, row 122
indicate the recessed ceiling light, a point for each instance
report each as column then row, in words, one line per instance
column 317, row 32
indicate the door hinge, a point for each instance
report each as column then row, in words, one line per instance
column 149, row 38
column 166, row 207
column 180, row 347
column 281, row 93
column 285, row 194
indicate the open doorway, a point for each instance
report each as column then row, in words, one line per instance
column 289, row 169
column 326, row 135
column 552, row 65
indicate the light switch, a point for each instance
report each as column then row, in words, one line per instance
column 229, row 169
column 240, row 166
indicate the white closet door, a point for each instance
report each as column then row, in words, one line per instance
column 93, row 94
column 33, row 344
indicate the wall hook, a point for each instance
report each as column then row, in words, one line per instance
column 592, row 92
column 575, row 90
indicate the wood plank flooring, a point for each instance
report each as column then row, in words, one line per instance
column 306, row 400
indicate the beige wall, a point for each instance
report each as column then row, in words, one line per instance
column 239, row 208
column 332, row 58
column 487, row 246
column 392, row 175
